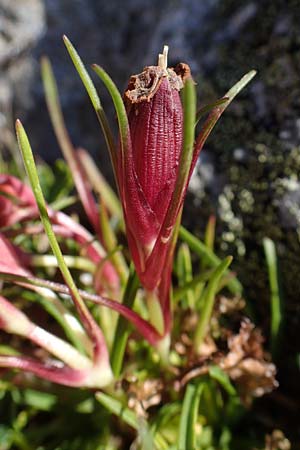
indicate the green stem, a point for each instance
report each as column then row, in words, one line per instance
column 208, row 303
column 276, row 300
column 123, row 326
column 179, row 292
column 92, row 93
column 155, row 312
column 208, row 256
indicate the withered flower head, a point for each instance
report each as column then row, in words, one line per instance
column 149, row 172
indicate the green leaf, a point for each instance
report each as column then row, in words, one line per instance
column 101, row 186
column 276, row 296
column 209, row 257
column 179, row 292
column 128, row 416
column 185, row 273
column 189, row 116
column 116, row 407
column 119, row 107
column 7, row 350
column 188, row 418
column 54, row 107
column 40, row 400
column 207, row 108
column 192, row 431
column 145, row 436
column 239, row 86
column 166, row 414
column 217, row 111
column 185, row 417
column 111, row 245
column 123, row 326
column 222, row 378
column 208, row 302
column 80, row 178
column 92, row 93
column 56, row 181
column 210, row 232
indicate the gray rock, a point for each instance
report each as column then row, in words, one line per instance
column 22, row 23
column 256, row 149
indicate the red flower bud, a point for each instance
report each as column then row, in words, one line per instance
column 149, row 171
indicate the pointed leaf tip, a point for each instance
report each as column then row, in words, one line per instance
column 18, row 123
column 229, row 259
column 236, row 89
column 44, row 60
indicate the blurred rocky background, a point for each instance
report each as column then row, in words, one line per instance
column 248, row 173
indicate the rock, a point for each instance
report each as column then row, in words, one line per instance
column 256, row 160
column 21, row 25
column 256, row 147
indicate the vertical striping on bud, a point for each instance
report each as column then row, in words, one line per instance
column 149, row 171
column 157, row 153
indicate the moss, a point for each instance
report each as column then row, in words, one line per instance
column 256, row 154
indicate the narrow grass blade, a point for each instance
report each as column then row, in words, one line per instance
column 217, row 111
column 191, row 442
column 185, row 273
column 223, row 379
column 80, row 179
column 189, row 116
column 128, row 416
column 111, row 244
column 239, row 86
column 209, row 257
column 208, row 303
column 181, row 291
column 210, row 233
column 207, row 108
column 185, row 418
column 116, row 407
column 92, row 93
column 101, row 186
column 119, row 107
column 92, row 328
column 276, row 296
